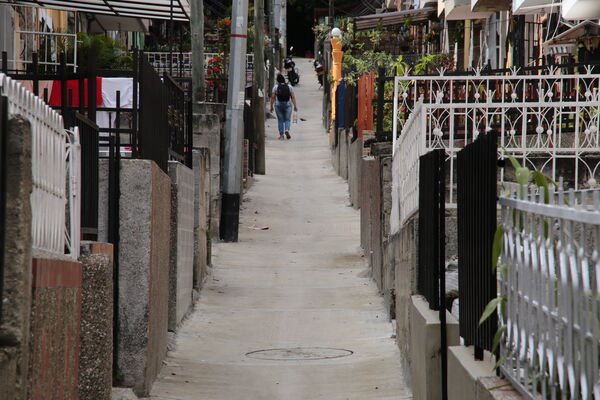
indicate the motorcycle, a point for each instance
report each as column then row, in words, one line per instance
column 319, row 69
column 290, row 68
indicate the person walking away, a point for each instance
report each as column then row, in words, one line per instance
column 283, row 97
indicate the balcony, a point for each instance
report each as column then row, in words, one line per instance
column 521, row 7
column 490, row 5
column 461, row 10
column 580, row 9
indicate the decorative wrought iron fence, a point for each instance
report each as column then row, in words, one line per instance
column 558, row 138
column 54, row 169
column 551, row 285
column 176, row 119
column 476, row 207
column 548, row 86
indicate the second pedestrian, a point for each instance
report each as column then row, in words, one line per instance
column 282, row 98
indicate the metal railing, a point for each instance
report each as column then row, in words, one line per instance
column 405, row 169
column 497, row 87
column 179, row 64
column 55, row 161
column 551, row 285
column 553, row 137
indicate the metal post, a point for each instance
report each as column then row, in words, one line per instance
column 197, row 26
column 283, row 29
column 259, row 84
column 234, row 125
column 380, row 102
column 331, row 12
column 277, row 35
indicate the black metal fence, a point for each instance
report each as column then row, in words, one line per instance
column 476, row 203
column 88, row 136
column 3, row 135
column 431, row 261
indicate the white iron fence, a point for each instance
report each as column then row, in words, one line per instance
column 551, row 284
column 559, row 138
column 161, row 61
column 56, row 172
column 550, row 86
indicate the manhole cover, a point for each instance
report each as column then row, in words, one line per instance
column 299, row 353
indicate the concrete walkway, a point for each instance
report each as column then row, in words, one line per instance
column 301, row 286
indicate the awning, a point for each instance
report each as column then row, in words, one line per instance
column 101, row 23
column 568, row 39
column 179, row 10
column 392, row 18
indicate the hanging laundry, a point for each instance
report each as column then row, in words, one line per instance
column 110, row 87
column 73, row 85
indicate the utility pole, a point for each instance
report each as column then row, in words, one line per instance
column 272, row 46
column 197, row 26
column 283, row 29
column 277, row 23
column 259, row 85
column 234, row 124
column 331, row 11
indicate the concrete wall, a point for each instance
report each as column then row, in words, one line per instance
column 181, row 271
column 464, row 372
column 425, row 349
column 16, row 294
column 202, row 238
column 207, row 134
column 404, row 247
column 95, row 360
column 145, row 210
column 55, row 329
column 355, row 151
column 335, row 153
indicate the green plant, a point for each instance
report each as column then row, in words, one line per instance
column 109, row 53
column 431, row 63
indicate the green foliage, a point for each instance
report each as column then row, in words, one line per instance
column 431, row 63
column 322, row 32
column 110, row 54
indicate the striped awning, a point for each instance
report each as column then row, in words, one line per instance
column 178, row 10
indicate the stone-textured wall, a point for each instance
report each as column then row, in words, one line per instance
column 207, row 134
column 145, row 211
column 95, row 361
column 55, row 329
column 202, row 239
column 181, row 272
column 343, row 148
column 368, row 164
column 405, row 256
column 355, row 151
column 16, row 294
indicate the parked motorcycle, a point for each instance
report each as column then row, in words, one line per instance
column 319, row 69
column 289, row 65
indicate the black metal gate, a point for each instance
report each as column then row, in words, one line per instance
column 431, row 262
column 476, row 200
column 88, row 136
column 3, row 134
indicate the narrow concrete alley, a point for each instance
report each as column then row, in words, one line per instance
column 300, row 290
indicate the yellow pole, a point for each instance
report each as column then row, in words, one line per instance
column 336, row 70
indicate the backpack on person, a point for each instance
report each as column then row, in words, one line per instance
column 283, row 93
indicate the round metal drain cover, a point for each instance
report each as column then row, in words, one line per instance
column 299, row 354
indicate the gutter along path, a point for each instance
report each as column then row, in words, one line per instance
column 300, row 288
